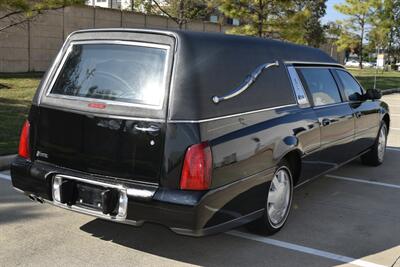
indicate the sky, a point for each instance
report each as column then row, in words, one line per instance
column 331, row 13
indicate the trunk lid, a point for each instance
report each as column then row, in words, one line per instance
column 103, row 109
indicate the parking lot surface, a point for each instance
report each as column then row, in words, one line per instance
column 350, row 217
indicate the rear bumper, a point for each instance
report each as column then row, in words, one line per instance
column 185, row 212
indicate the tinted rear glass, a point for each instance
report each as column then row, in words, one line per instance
column 124, row 73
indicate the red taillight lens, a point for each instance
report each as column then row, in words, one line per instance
column 23, row 150
column 197, row 166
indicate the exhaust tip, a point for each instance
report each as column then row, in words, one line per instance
column 35, row 198
column 32, row 197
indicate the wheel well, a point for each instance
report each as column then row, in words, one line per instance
column 386, row 119
column 294, row 160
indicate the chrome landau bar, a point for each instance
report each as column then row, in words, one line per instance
column 250, row 79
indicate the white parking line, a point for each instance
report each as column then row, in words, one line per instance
column 393, row 148
column 362, row 181
column 4, row 176
column 303, row 249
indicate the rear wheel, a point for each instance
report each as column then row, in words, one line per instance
column 376, row 155
column 278, row 202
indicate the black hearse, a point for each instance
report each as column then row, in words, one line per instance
column 198, row 132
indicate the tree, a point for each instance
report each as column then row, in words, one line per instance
column 258, row 17
column 298, row 21
column 314, row 35
column 302, row 22
column 180, row 11
column 385, row 24
column 18, row 12
column 359, row 13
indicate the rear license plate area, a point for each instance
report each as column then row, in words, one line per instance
column 92, row 197
column 89, row 196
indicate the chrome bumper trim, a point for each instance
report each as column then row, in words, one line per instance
column 123, row 199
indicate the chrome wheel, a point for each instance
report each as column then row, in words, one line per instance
column 382, row 142
column 279, row 197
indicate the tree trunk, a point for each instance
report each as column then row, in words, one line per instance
column 361, row 42
column 181, row 14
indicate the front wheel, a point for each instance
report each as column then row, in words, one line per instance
column 278, row 202
column 376, row 155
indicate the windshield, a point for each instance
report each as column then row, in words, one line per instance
column 117, row 72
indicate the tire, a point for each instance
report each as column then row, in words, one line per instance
column 271, row 222
column 376, row 155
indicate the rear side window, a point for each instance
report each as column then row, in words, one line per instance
column 117, row 72
column 321, row 85
column 351, row 87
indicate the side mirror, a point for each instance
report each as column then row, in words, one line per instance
column 373, row 94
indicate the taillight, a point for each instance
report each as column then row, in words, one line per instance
column 197, row 166
column 23, row 150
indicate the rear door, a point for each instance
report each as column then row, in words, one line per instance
column 104, row 110
column 334, row 115
column 366, row 112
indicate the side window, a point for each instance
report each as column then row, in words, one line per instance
column 351, row 88
column 321, row 85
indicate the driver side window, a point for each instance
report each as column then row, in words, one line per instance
column 351, row 87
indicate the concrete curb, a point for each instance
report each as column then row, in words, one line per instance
column 390, row 91
column 5, row 161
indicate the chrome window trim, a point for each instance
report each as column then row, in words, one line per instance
column 297, row 87
column 322, row 64
column 331, row 105
column 232, row 115
column 109, row 102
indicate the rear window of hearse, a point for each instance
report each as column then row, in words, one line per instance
column 114, row 72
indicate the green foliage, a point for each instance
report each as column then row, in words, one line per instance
column 180, row 11
column 17, row 12
column 297, row 21
column 314, row 35
column 258, row 17
column 385, row 24
column 359, row 13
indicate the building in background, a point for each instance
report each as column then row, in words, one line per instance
column 114, row 4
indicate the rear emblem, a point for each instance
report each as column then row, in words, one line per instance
column 42, row 155
column 97, row 105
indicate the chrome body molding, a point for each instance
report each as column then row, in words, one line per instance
column 298, row 88
column 101, row 115
column 94, row 214
column 233, row 115
column 123, row 198
column 249, row 80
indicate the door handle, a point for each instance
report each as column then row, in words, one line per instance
column 326, row 122
column 358, row 114
column 152, row 129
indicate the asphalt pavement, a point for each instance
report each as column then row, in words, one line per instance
column 350, row 217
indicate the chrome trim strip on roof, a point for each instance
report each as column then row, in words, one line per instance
column 233, row 115
column 111, row 102
column 314, row 63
